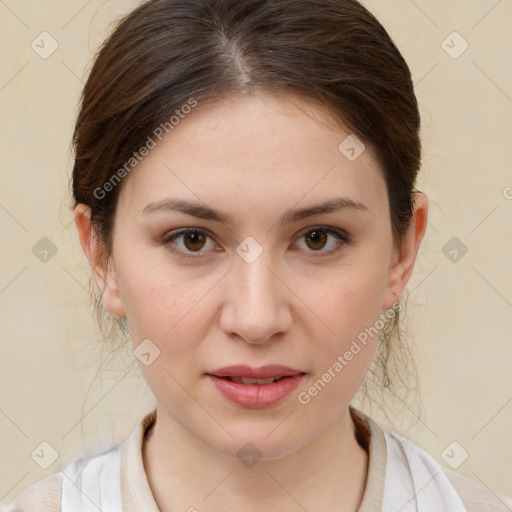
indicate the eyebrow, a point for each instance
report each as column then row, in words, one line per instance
column 204, row 212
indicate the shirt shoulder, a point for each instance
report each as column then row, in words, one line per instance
column 371, row 435
column 43, row 496
column 476, row 497
column 98, row 472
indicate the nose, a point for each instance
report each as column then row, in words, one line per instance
column 256, row 306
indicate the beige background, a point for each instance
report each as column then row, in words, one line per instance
column 459, row 313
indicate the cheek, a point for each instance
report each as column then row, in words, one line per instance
column 349, row 301
column 343, row 343
column 171, row 313
column 340, row 355
column 162, row 303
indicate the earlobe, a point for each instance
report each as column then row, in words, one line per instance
column 110, row 292
column 101, row 266
column 403, row 264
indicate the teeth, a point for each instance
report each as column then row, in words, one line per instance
column 246, row 380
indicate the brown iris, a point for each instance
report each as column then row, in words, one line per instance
column 196, row 239
column 318, row 238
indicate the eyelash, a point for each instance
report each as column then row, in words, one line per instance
column 341, row 236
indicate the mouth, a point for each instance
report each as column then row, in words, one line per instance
column 256, row 387
column 243, row 374
column 258, row 382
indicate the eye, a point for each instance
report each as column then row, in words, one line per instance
column 317, row 238
column 193, row 240
column 186, row 242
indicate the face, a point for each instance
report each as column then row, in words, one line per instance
column 271, row 281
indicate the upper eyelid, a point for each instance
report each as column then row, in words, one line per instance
column 183, row 231
column 328, row 229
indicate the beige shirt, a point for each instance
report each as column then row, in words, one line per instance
column 136, row 496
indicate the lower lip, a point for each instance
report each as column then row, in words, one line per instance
column 255, row 395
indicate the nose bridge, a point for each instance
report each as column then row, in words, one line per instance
column 255, row 307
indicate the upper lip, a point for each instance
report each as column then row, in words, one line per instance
column 263, row 372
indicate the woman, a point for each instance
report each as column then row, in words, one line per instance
column 244, row 193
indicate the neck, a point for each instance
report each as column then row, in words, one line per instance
column 328, row 473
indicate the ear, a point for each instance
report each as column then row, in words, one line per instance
column 103, row 269
column 404, row 257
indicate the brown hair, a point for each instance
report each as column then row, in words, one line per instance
column 165, row 52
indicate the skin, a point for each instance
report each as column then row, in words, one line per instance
column 253, row 158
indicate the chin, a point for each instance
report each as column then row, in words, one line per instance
column 251, row 443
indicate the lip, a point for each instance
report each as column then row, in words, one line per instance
column 263, row 372
column 256, row 395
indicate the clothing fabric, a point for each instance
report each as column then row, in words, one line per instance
column 402, row 476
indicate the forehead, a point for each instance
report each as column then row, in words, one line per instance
column 261, row 150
